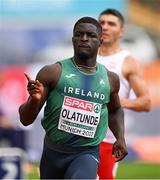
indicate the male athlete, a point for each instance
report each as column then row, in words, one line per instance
column 81, row 99
column 129, row 71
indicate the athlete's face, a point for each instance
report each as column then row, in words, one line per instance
column 86, row 40
column 112, row 29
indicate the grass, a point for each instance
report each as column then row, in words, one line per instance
column 127, row 170
column 32, row 172
column 136, row 170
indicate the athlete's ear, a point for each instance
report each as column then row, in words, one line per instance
column 121, row 32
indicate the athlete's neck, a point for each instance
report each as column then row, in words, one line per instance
column 106, row 50
column 89, row 68
column 89, row 62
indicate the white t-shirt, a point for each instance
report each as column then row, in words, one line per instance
column 114, row 63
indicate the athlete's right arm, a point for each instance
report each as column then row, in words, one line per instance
column 38, row 91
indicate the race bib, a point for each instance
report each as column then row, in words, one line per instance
column 79, row 117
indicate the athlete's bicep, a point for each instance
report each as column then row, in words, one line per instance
column 135, row 76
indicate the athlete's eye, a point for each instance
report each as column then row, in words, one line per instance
column 102, row 22
column 93, row 35
column 77, row 34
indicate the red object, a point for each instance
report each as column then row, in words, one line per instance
column 107, row 164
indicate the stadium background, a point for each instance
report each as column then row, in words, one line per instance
column 37, row 32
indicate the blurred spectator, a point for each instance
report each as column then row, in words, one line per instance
column 9, row 135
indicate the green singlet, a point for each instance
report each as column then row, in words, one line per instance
column 76, row 110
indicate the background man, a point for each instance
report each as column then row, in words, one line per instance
column 130, row 73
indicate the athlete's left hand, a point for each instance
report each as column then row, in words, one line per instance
column 119, row 149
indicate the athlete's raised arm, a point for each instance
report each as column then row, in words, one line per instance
column 38, row 91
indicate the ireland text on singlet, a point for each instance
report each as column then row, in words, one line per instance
column 76, row 112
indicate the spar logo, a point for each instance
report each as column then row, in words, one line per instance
column 79, row 104
column 97, row 108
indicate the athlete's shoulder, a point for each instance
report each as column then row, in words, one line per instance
column 112, row 75
column 54, row 68
column 114, row 81
column 49, row 74
column 130, row 59
column 47, row 69
column 131, row 65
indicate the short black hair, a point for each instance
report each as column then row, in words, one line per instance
column 115, row 13
column 89, row 20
